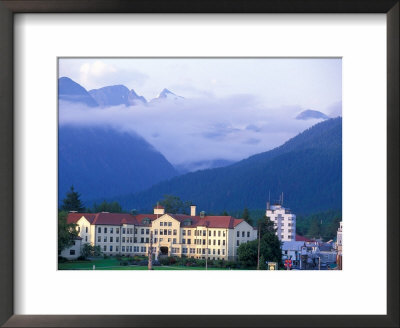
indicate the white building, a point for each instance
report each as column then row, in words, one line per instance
column 284, row 221
column 197, row 236
column 74, row 251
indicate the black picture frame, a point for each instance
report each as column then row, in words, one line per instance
column 10, row 7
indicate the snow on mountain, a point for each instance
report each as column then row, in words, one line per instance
column 166, row 95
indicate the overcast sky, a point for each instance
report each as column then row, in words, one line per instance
column 233, row 108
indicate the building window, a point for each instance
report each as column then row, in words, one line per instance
column 104, row 248
column 248, row 234
column 117, row 239
column 123, row 239
column 204, row 233
column 161, row 231
column 183, row 241
column 105, row 230
column 116, row 248
column 135, row 240
column 123, row 231
column 111, row 239
column 117, row 230
column 183, row 232
column 111, row 248
column 147, row 240
column 165, row 232
column 209, row 233
column 105, row 239
column 223, row 252
column 223, row 233
column 219, row 242
column 123, row 248
column 237, row 242
column 142, row 231
column 204, row 251
column 242, row 234
column 99, row 229
column 161, row 223
column 189, row 241
column 169, row 232
column 219, row 252
column 204, row 241
column 86, row 229
column 111, row 230
column 214, row 251
column 223, row 242
column 189, row 232
column 169, row 224
column 192, row 251
column 155, row 231
column 98, row 239
column 71, row 252
column 238, row 234
column 147, row 231
column 184, row 250
column 219, row 233
column 142, row 240
column 215, row 233
column 155, row 240
column 214, row 242
column 174, row 232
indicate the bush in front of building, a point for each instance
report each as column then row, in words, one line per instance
column 62, row 259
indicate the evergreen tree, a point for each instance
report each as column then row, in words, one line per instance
column 270, row 246
column 173, row 204
column 113, row 207
column 225, row 213
column 72, row 202
column 66, row 232
column 246, row 216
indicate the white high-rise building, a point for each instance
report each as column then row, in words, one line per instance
column 284, row 221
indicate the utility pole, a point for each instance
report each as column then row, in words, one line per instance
column 150, row 252
column 258, row 253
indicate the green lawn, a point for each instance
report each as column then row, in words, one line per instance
column 113, row 264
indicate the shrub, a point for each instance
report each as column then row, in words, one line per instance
column 62, row 259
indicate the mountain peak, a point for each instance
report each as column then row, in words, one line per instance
column 164, row 93
column 311, row 114
column 69, row 90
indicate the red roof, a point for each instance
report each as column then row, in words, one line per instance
column 302, row 238
column 103, row 218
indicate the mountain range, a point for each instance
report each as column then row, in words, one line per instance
column 307, row 169
column 113, row 95
column 103, row 163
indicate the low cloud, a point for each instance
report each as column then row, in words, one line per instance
column 199, row 129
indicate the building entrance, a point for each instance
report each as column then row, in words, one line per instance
column 163, row 250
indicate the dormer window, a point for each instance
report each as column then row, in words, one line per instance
column 187, row 222
column 146, row 221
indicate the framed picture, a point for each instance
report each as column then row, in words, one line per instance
column 52, row 44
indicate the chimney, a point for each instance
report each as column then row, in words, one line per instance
column 192, row 210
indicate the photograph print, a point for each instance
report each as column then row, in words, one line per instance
column 200, row 164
